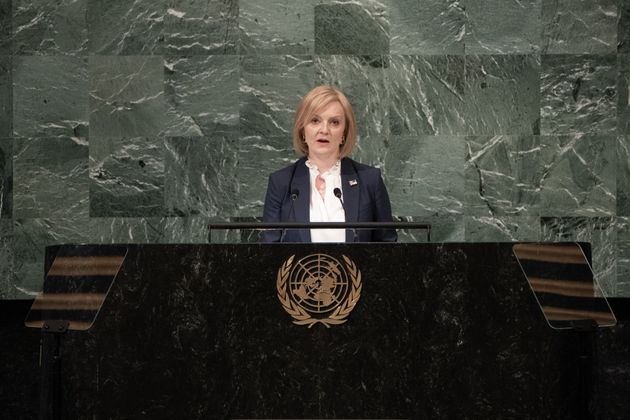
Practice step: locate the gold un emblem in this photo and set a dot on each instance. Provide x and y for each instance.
(319, 288)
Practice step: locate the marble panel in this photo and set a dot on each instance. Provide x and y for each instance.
(279, 27)
(200, 177)
(600, 232)
(623, 257)
(201, 95)
(6, 96)
(371, 150)
(502, 229)
(503, 175)
(622, 288)
(578, 94)
(50, 178)
(425, 175)
(502, 27)
(426, 27)
(363, 80)
(127, 177)
(502, 94)
(6, 18)
(6, 256)
(623, 27)
(6, 178)
(129, 230)
(359, 28)
(127, 96)
(579, 26)
(231, 236)
(271, 87)
(623, 94)
(443, 229)
(49, 27)
(427, 95)
(200, 27)
(622, 225)
(623, 176)
(119, 27)
(579, 176)
(31, 236)
(50, 96)
(258, 157)
(189, 230)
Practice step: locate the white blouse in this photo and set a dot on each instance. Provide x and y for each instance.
(328, 208)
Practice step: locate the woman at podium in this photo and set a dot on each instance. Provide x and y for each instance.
(325, 185)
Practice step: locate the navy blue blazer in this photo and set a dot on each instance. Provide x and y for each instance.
(364, 196)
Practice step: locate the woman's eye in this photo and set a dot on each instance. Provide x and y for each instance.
(314, 120)
(334, 122)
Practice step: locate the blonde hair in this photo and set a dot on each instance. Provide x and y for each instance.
(313, 102)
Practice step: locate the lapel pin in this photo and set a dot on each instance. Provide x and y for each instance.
(353, 182)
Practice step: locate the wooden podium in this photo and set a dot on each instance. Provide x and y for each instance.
(424, 331)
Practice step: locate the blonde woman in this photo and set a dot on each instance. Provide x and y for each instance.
(325, 185)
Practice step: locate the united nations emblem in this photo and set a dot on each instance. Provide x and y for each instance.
(319, 288)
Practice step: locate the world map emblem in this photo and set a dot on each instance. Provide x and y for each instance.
(319, 288)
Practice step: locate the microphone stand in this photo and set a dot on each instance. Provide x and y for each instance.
(294, 195)
(337, 193)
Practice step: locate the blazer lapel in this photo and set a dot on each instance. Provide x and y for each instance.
(350, 189)
(301, 182)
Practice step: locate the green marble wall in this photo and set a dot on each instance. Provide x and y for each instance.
(141, 121)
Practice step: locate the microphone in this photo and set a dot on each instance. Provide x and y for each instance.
(295, 193)
(337, 192)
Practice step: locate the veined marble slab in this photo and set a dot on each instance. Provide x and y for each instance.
(502, 27)
(503, 175)
(428, 27)
(127, 96)
(6, 178)
(7, 272)
(202, 95)
(200, 176)
(50, 27)
(425, 175)
(127, 177)
(579, 26)
(578, 176)
(578, 94)
(427, 95)
(270, 90)
(126, 28)
(278, 27)
(6, 96)
(50, 178)
(201, 27)
(359, 28)
(6, 14)
(502, 94)
(50, 96)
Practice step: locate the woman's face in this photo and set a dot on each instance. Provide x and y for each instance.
(323, 133)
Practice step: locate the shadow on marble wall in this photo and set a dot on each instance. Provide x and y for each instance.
(492, 120)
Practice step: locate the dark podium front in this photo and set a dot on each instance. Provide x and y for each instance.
(439, 331)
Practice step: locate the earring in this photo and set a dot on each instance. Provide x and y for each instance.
(343, 140)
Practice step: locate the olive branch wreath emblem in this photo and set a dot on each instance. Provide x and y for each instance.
(300, 316)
